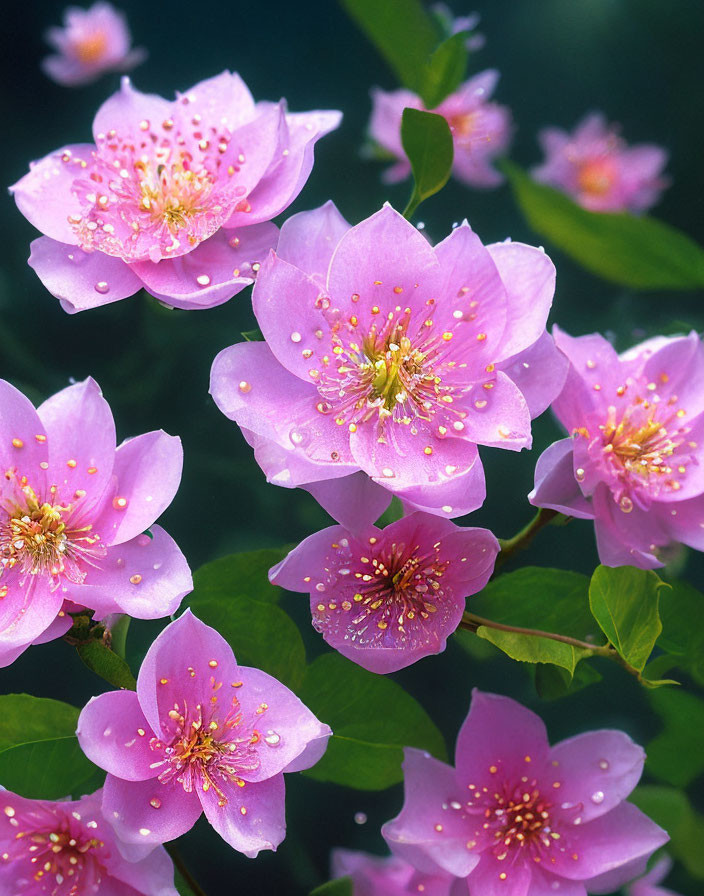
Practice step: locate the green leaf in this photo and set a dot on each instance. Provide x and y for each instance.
(672, 810)
(245, 574)
(107, 664)
(639, 252)
(255, 335)
(676, 755)
(340, 887)
(372, 719)
(26, 718)
(181, 884)
(402, 32)
(49, 769)
(445, 70)
(553, 682)
(427, 141)
(682, 617)
(556, 599)
(624, 601)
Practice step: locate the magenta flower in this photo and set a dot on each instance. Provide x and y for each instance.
(73, 511)
(68, 849)
(176, 197)
(596, 167)
(93, 41)
(390, 876)
(389, 597)
(648, 885)
(201, 734)
(481, 130)
(633, 462)
(386, 355)
(522, 818)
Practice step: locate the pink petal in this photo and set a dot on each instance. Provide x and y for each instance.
(308, 239)
(147, 578)
(385, 123)
(45, 195)
(681, 360)
(109, 734)
(152, 875)
(555, 483)
(20, 449)
(79, 279)
(485, 880)
(306, 563)
(124, 110)
(215, 271)
(686, 524)
(225, 98)
(356, 501)
(26, 610)
(539, 372)
(545, 884)
(291, 468)
(594, 362)
(497, 414)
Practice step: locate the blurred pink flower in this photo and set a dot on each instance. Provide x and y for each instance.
(387, 355)
(73, 511)
(390, 876)
(92, 41)
(391, 596)
(68, 849)
(201, 734)
(451, 25)
(648, 885)
(176, 197)
(481, 130)
(634, 459)
(518, 817)
(599, 170)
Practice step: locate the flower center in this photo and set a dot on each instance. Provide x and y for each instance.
(522, 820)
(462, 125)
(596, 176)
(91, 47)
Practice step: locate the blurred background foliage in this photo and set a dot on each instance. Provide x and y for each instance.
(640, 61)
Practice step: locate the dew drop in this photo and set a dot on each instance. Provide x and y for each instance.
(203, 280)
(244, 386)
(135, 579)
(360, 818)
(299, 437)
(388, 472)
(102, 287)
(120, 503)
(597, 797)
(295, 337)
(272, 738)
(604, 764)
(579, 474)
(626, 504)
(155, 803)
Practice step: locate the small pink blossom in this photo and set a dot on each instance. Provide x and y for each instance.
(68, 849)
(452, 25)
(634, 459)
(93, 41)
(481, 130)
(389, 597)
(388, 356)
(390, 876)
(517, 817)
(73, 510)
(176, 197)
(596, 167)
(201, 734)
(648, 885)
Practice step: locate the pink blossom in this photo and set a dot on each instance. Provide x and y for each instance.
(481, 130)
(389, 597)
(648, 885)
(451, 25)
(93, 41)
(386, 355)
(68, 849)
(201, 734)
(596, 167)
(390, 876)
(633, 462)
(176, 197)
(518, 817)
(73, 511)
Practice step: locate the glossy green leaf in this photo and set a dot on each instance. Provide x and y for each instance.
(245, 574)
(372, 719)
(49, 769)
(639, 252)
(181, 884)
(340, 887)
(427, 141)
(553, 682)
(624, 601)
(682, 616)
(402, 31)
(24, 718)
(532, 649)
(107, 664)
(445, 70)
(676, 755)
(671, 809)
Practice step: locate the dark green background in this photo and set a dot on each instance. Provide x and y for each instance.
(638, 60)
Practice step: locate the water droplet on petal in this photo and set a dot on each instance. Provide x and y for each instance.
(203, 280)
(272, 738)
(120, 503)
(102, 287)
(597, 797)
(295, 337)
(604, 764)
(299, 437)
(155, 803)
(244, 386)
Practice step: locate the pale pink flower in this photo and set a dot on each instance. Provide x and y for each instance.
(451, 25)
(634, 461)
(73, 512)
(389, 597)
(389, 876)
(92, 41)
(481, 130)
(517, 817)
(388, 356)
(201, 734)
(176, 197)
(67, 848)
(649, 884)
(598, 169)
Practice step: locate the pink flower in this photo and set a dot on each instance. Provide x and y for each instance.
(389, 597)
(93, 41)
(72, 513)
(201, 734)
(68, 849)
(481, 130)
(522, 818)
(386, 355)
(648, 884)
(633, 462)
(390, 876)
(451, 25)
(599, 170)
(176, 197)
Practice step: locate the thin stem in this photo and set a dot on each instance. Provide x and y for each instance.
(177, 859)
(510, 546)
